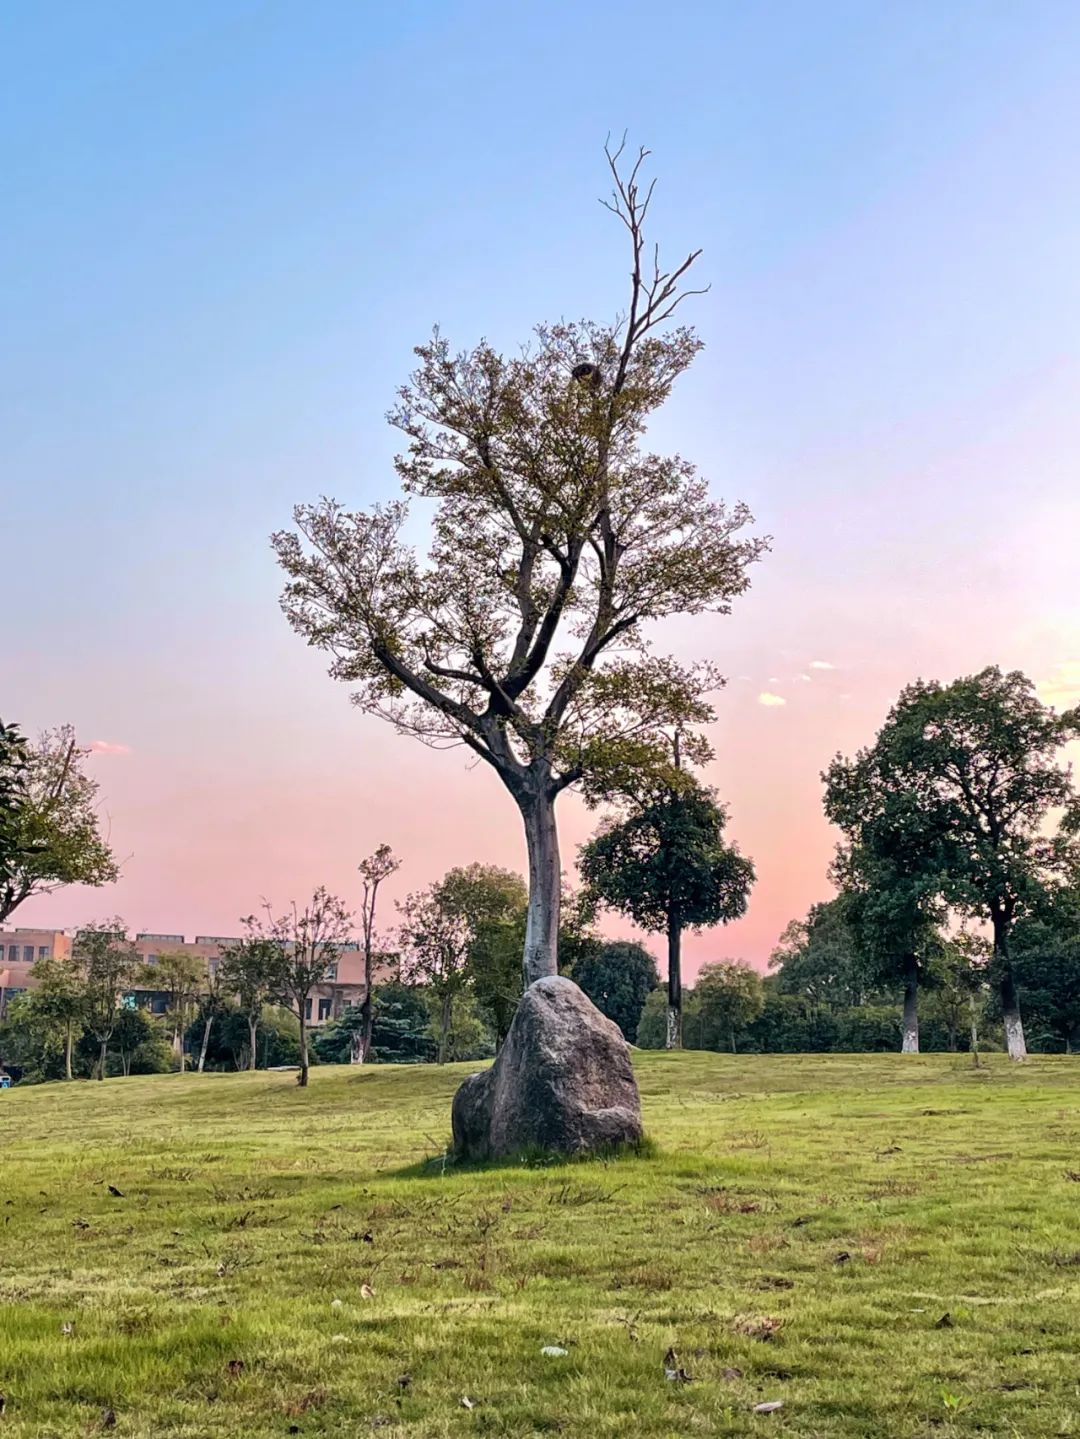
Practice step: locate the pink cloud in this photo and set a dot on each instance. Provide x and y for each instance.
(104, 746)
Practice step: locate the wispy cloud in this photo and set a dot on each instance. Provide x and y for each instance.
(770, 701)
(1062, 688)
(821, 665)
(106, 746)
(804, 678)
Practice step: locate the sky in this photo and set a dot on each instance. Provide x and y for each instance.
(225, 225)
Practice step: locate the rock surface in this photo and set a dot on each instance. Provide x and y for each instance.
(562, 1082)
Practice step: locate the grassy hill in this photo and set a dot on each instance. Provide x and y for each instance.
(889, 1245)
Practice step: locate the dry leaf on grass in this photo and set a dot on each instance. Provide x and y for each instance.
(757, 1326)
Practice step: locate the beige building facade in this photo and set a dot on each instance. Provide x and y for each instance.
(20, 950)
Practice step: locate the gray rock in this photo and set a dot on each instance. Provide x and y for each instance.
(562, 1082)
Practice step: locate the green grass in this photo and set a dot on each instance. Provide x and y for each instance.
(798, 1233)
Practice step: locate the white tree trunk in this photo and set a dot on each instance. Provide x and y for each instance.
(910, 1043)
(1010, 1000)
(545, 889)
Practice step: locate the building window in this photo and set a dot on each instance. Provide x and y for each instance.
(43, 951)
(28, 954)
(13, 953)
(331, 973)
(212, 967)
(151, 959)
(324, 1009)
(307, 1009)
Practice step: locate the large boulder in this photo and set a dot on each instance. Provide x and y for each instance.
(562, 1082)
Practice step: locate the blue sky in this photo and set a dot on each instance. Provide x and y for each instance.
(226, 224)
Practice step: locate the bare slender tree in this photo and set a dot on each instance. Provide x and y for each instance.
(556, 540)
(377, 867)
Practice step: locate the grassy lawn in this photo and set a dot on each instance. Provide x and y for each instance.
(888, 1245)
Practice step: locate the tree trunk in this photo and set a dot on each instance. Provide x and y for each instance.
(732, 1038)
(1010, 1013)
(545, 888)
(253, 1040)
(361, 1045)
(69, 1041)
(674, 981)
(973, 1015)
(102, 1057)
(910, 1043)
(302, 1077)
(180, 1041)
(1010, 1000)
(205, 1041)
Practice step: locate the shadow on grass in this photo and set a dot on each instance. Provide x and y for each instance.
(438, 1166)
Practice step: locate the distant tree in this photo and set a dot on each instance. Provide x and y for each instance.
(212, 1007)
(306, 945)
(956, 968)
(434, 939)
(181, 978)
(374, 870)
(977, 759)
(57, 833)
(31, 1038)
(493, 902)
(556, 540)
(618, 977)
(249, 970)
(666, 866)
(108, 965)
(730, 996)
(1046, 961)
(818, 957)
(402, 1032)
(139, 1044)
(890, 871)
(61, 999)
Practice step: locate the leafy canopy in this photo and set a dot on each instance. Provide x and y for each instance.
(976, 767)
(55, 832)
(666, 859)
(557, 537)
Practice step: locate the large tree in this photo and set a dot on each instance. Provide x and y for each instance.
(978, 762)
(556, 540)
(373, 870)
(891, 871)
(57, 831)
(665, 864)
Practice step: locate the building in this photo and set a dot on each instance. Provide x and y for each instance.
(20, 949)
